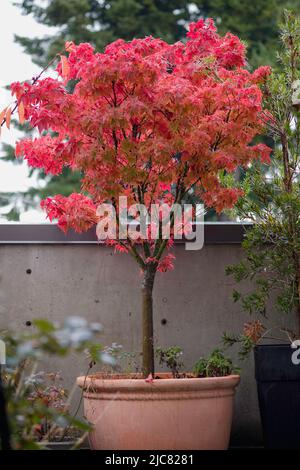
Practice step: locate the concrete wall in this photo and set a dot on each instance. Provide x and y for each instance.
(89, 280)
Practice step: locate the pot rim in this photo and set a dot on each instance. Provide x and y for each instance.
(273, 345)
(97, 383)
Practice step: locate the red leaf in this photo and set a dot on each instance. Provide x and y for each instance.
(2, 115)
(69, 46)
(149, 379)
(8, 118)
(21, 112)
(65, 68)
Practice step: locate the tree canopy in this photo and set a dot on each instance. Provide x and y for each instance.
(149, 121)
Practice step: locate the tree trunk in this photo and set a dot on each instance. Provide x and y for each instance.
(147, 310)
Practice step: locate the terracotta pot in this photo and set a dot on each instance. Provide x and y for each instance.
(171, 414)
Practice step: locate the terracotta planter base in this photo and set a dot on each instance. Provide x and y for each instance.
(170, 414)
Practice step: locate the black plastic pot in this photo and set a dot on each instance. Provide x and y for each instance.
(278, 386)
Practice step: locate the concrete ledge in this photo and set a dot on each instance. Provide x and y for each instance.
(14, 233)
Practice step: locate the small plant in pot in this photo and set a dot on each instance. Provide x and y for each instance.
(147, 124)
(35, 407)
(272, 249)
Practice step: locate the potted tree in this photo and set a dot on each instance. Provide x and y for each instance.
(272, 249)
(149, 122)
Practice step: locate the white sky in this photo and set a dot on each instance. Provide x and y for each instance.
(15, 66)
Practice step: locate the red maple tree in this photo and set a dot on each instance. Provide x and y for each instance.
(148, 120)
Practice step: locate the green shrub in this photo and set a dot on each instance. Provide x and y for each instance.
(215, 365)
